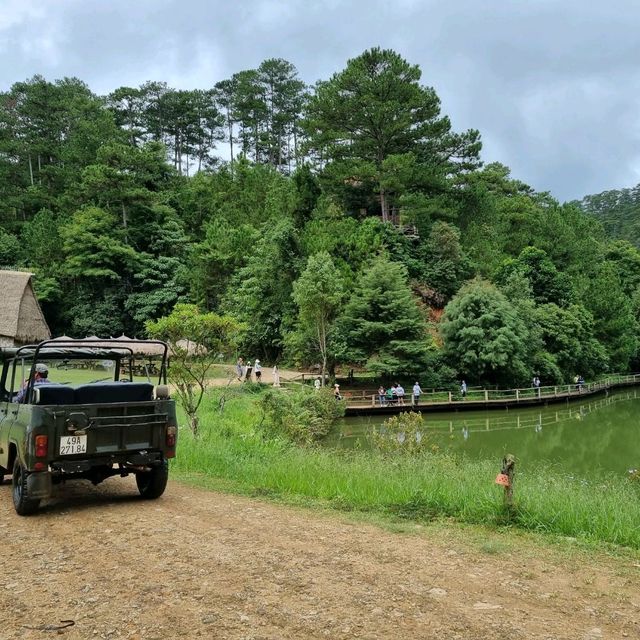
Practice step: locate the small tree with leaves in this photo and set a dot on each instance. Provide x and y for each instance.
(318, 294)
(190, 366)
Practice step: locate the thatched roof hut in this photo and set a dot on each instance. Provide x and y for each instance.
(21, 319)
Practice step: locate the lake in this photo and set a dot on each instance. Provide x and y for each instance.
(583, 438)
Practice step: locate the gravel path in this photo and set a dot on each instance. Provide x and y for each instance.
(202, 564)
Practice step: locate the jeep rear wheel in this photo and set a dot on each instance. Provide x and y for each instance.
(152, 484)
(23, 504)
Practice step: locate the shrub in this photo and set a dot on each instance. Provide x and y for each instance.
(303, 416)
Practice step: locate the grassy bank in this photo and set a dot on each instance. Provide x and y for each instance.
(233, 454)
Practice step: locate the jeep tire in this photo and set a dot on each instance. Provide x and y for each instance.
(24, 505)
(152, 484)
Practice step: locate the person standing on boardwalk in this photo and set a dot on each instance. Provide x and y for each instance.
(336, 391)
(382, 395)
(258, 369)
(416, 394)
(463, 390)
(400, 393)
(247, 375)
(276, 376)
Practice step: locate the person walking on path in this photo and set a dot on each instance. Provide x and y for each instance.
(463, 390)
(416, 394)
(239, 368)
(382, 396)
(276, 376)
(249, 369)
(258, 369)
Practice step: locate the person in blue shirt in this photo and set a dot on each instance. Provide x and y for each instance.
(40, 376)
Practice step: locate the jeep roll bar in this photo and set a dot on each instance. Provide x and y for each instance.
(119, 351)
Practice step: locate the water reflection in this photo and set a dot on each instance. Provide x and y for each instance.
(600, 435)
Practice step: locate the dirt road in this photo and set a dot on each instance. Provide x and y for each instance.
(200, 564)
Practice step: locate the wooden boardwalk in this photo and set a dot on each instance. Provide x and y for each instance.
(478, 399)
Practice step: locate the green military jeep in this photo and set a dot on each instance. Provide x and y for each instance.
(96, 419)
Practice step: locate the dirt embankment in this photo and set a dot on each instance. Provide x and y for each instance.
(200, 564)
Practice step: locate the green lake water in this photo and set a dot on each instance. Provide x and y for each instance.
(585, 438)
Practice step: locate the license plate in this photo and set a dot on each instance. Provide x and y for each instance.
(71, 445)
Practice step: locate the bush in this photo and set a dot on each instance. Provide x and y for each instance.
(303, 416)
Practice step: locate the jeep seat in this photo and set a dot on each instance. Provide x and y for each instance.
(108, 392)
(53, 394)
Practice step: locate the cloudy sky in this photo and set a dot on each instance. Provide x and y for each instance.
(552, 85)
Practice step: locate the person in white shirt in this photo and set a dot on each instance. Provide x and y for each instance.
(257, 367)
(416, 393)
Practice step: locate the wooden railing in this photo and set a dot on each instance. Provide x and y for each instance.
(488, 396)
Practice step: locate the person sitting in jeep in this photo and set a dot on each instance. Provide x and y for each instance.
(40, 376)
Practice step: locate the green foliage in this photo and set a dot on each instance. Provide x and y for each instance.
(260, 292)
(381, 326)
(401, 117)
(94, 246)
(317, 293)
(569, 343)
(208, 334)
(10, 249)
(122, 208)
(446, 266)
(547, 284)
(484, 336)
(304, 416)
(614, 322)
(617, 210)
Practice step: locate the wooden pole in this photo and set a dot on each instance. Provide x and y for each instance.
(509, 469)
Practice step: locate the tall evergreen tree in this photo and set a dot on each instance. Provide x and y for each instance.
(375, 109)
(381, 326)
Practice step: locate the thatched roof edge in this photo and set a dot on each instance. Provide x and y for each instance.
(20, 315)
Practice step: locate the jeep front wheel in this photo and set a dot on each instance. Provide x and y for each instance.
(152, 484)
(24, 505)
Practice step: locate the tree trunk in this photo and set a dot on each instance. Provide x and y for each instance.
(194, 424)
(230, 122)
(30, 170)
(384, 205)
(124, 223)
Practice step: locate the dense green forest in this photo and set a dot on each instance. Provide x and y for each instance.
(618, 211)
(345, 223)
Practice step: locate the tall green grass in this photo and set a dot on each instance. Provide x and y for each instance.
(232, 449)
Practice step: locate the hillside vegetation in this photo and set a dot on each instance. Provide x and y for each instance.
(346, 222)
